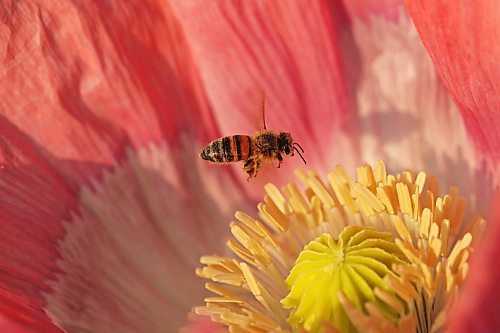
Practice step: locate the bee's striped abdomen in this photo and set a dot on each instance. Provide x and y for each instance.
(228, 149)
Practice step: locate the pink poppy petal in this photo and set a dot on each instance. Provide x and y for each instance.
(33, 202)
(463, 39)
(287, 51)
(8, 326)
(128, 258)
(16, 317)
(88, 79)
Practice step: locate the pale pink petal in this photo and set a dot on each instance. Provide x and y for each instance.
(367, 9)
(403, 112)
(128, 258)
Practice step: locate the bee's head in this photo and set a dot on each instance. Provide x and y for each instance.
(287, 146)
(285, 143)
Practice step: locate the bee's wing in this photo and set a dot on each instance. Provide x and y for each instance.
(263, 109)
(259, 120)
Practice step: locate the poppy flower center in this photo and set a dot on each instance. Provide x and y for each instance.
(354, 264)
(376, 253)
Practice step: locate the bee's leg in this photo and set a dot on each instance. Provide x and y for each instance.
(249, 168)
(250, 172)
(256, 168)
(248, 163)
(280, 159)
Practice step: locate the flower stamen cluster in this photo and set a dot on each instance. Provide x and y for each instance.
(380, 253)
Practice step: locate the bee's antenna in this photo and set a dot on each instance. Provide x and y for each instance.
(295, 143)
(298, 151)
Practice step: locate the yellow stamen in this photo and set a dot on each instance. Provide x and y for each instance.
(383, 253)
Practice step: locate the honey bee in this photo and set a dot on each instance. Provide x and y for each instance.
(265, 145)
